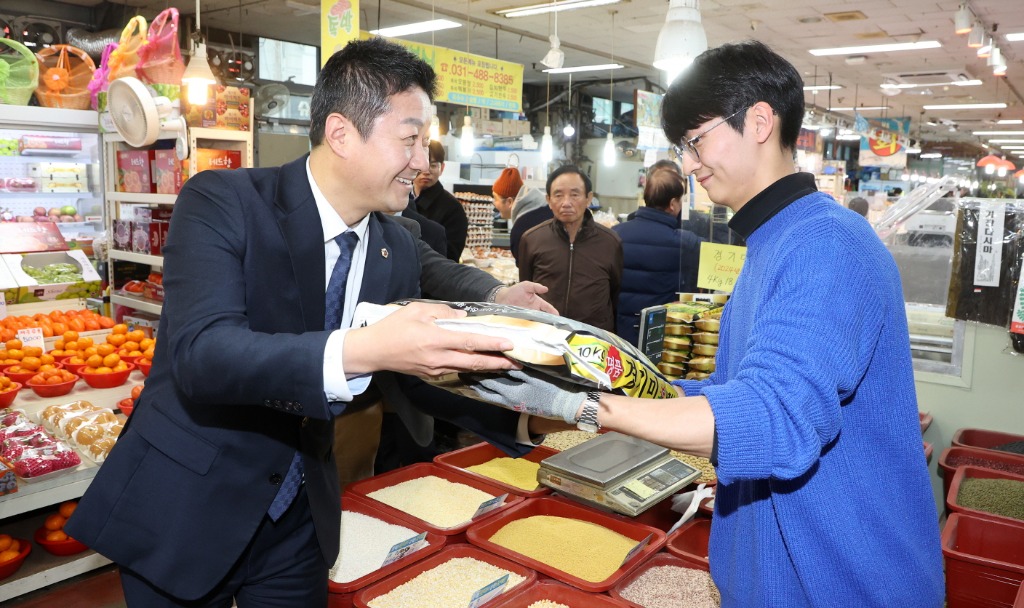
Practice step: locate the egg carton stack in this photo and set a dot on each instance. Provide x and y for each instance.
(93, 430)
(691, 340)
(480, 212)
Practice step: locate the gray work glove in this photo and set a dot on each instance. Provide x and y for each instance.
(527, 391)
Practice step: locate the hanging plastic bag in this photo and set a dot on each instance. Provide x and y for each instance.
(100, 79)
(160, 60)
(125, 58)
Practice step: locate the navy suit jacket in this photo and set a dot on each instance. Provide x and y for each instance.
(237, 381)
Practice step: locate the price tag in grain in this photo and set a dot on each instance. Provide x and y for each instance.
(32, 336)
(488, 593)
(720, 266)
(404, 548)
(490, 505)
(637, 549)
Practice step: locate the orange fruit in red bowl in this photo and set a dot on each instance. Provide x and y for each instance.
(9, 393)
(64, 546)
(106, 380)
(10, 564)
(56, 389)
(18, 376)
(126, 406)
(144, 366)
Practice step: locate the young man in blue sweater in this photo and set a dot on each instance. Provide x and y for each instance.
(823, 494)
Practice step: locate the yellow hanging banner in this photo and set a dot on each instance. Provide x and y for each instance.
(339, 25)
(471, 80)
(720, 266)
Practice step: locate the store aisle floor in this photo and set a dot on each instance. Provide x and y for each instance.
(97, 589)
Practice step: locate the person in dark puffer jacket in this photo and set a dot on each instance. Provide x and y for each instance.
(659, 258)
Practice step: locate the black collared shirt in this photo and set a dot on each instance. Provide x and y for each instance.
(770, 201)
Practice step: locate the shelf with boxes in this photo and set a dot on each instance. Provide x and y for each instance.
(142, 186)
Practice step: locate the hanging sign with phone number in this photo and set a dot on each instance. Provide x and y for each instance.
(472, 80)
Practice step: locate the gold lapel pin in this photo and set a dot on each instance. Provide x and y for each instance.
(384, 252)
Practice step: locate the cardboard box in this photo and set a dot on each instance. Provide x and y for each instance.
(166, 172)
(30, 290)
(48, 145)
(28, 237)
(226, 108)
(141, 320)
(153, 291)
(140, 237)
(133, 171)
(123, 235)
(210, 158)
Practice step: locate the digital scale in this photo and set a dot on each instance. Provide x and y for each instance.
(616, 472)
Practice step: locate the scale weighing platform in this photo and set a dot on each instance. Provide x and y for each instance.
(617, 472)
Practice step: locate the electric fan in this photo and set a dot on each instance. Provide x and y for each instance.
(238, 66)
(271, 99)
(65, 72)
(139, 115)
(36, 35)
(19, 73)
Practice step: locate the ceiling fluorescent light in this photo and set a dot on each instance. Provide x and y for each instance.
(585, 68)
(927, 155)
(851, 108)
(421, 27)
(823, 87)
(1015, 37)
(962, 20)
(877, 48)
(997, 133)
(1010, 121)
(954, 83)
(1006, 141)
(551, 7)
(966, 106)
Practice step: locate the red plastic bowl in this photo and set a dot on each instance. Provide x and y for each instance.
(74, 368)
(126, 406)
(9, 568)
(58, 547)
(144, 366)
(107, 380)
(20, 377)
(53, 390)
(7, 397)
(131, 359)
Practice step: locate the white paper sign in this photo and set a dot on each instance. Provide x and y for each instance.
(489, 505)
(989, 258)
(404, 548)
(32, 336)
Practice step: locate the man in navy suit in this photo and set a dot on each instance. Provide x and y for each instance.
(196, 503)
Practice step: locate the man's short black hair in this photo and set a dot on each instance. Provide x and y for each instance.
(568, 169)
(436, 150)
(357, 81)
(731, 78)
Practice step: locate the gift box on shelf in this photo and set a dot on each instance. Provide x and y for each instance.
(166, 172)
(226, 107)
(214, 158)
(134, 172)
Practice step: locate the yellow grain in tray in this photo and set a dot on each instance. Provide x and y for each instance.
(580, 548)
(517, 472)
(546, 604)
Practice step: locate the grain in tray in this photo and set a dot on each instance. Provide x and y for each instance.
(546, 604)
(707, 471)
(437, 501)
(517, 472)
(579, 548)
(672, 587)
(365, 542)
(450, 584)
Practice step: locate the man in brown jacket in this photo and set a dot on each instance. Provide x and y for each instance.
(578, 259)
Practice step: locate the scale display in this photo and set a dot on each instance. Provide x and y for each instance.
(616, 472)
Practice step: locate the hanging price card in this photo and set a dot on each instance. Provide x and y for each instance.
(489, 505)
(32, 336)
(488, 593)
(720, 266)
(405, 547)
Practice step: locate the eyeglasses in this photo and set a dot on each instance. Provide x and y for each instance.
(690, 145)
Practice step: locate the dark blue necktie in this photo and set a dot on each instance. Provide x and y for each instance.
(334, 306)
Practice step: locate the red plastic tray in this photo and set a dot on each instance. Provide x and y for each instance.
(557, 592)
(368, 594)
(984, 561)
(979, 473)
(480, 453)
(690, 543)
(480, 535)
(925, 419)
(661, 559)
(927, 452)
(343, 592)
(1019, 603)
(425, 469)
(983, 438)
(946, 470)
